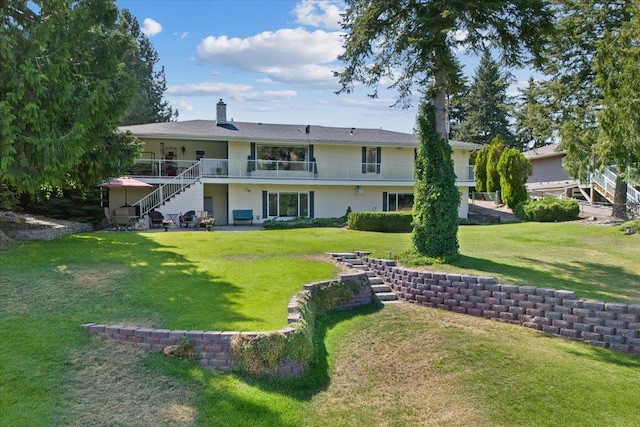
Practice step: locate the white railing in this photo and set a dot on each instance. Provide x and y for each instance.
(607, 180)
(169, 189)
(148, 168)
(223, 168)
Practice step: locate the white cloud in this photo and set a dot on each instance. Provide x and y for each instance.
(182, 36)
(233, 91)
(266, 96)
(319, 13)
(294, 56)
(207, 88)
(151, 28)
(181, 105)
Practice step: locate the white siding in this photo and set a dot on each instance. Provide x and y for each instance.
(329, 201)
(188, 200)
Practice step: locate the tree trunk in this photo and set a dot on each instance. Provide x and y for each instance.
(440, 103)
(620, 198)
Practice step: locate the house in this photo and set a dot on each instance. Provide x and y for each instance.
(277, 170)
(548, 176)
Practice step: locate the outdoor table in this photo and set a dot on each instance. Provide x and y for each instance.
(175, 218)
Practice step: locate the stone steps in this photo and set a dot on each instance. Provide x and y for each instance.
(380, 288)
(382, 291)
(386, 296)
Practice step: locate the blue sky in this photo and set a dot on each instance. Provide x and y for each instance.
(271, 61)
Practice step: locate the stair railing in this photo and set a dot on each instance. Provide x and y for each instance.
(607, 180)
(167, 190)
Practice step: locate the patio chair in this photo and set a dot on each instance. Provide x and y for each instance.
(200, 216)
(122, 221)
(187, 219)
(155, 219)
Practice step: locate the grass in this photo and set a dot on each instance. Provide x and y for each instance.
(52, 373)
(408, 366)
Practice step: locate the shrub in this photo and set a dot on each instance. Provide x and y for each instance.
(481, 169)
(261, 354)
(496, 147)
(303, 222)
(514, 168)
(436, 197)
(632, 226)
(386, 222)
(548, 209)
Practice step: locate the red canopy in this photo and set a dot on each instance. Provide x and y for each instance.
(124, 182)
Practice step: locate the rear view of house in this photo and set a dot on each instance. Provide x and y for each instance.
(278, 170)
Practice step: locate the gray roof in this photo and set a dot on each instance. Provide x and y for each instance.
(548, 150)
(267, 132)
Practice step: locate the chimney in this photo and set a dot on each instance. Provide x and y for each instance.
(221, 113)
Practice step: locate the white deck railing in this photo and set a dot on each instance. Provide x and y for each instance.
(607, 180)
(169, 189)
(290, 170)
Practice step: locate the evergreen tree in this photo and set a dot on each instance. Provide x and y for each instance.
(487, 106)
(585, 30)
(436, 198)
(481, 169)
(63, 93)
(533, 118)
(514, 168)
(618, 78)
(457, 92)
(493, 157)
(413, 42)
(148, 105)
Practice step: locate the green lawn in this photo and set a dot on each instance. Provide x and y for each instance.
(52, 373)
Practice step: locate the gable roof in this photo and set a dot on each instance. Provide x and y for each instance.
(549, 150)
(268, 132)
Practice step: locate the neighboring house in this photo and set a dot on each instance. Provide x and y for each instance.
(548, 175)
(277, 170)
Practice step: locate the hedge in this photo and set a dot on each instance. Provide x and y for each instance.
(387, 222)
(548, 209)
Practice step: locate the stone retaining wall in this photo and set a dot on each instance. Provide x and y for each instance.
(214, 347)
(56, 231)
(610, 325)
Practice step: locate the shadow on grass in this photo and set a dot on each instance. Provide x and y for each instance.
(598, 354)
(225, 399)
(153, 283)
(590, 280)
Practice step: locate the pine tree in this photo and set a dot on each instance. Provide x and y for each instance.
(487, 106)
(586, 31)
(412, 42)
(436, 198)
(533, 120)
(148, 105)
(618, 77)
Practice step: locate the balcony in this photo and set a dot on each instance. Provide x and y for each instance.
(289, 170)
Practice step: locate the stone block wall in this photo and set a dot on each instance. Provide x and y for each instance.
(214, 347)
(610, 325)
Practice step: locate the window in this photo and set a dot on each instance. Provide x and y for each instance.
(272, 157)
(199, 154)
(288, 204)
(371, 159)
(399, 202)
